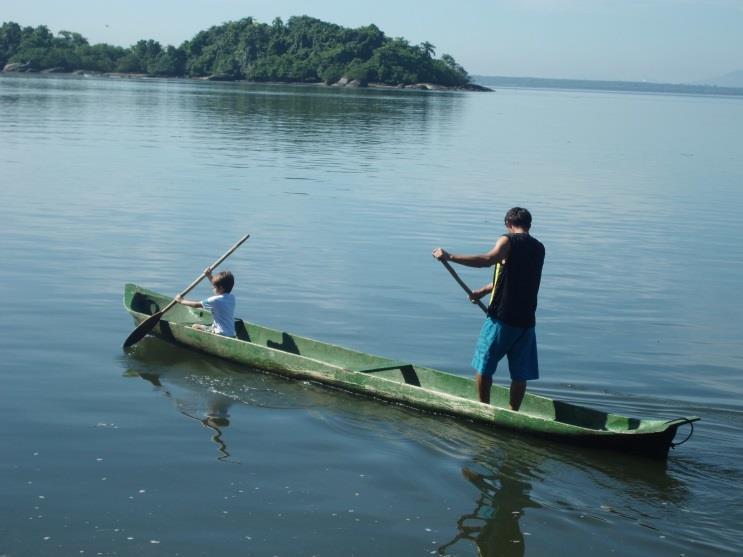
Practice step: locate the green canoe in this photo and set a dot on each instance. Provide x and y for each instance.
(401, 382)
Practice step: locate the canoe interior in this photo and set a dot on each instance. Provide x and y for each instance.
(285, 352)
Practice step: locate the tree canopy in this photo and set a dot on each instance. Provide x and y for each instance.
(303, 49)
(40, 49)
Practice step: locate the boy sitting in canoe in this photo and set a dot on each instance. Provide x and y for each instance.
(222, 304)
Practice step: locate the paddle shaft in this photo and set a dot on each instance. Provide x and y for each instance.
(148, 324)
(462, 283)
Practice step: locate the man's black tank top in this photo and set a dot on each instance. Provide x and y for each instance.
(515, 299)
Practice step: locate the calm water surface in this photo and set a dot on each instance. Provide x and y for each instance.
(345, 193)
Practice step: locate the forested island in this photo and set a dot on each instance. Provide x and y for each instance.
(300, 50)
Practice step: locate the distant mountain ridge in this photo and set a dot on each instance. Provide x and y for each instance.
(732, 79)
(595, 85)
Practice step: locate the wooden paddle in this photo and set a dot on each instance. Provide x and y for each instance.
(462, 284)
(148, 324)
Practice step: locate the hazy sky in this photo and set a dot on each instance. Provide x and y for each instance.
(654, 40)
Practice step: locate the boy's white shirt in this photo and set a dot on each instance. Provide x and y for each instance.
(222, 307)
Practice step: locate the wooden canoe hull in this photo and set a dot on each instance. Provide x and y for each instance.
(294, 356)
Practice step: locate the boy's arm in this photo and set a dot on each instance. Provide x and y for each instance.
(189, 303)
(192, 303)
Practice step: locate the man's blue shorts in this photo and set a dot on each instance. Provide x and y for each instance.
(497, 340)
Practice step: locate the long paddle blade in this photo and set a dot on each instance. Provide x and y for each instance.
(462, 284)
(142, 329)
(148, 324)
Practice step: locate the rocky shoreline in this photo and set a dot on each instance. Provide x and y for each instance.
(17, 67)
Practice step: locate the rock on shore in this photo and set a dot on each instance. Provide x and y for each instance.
(346, 82)
(17, 67)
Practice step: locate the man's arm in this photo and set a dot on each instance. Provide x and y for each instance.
(481, 293)
(498, 253)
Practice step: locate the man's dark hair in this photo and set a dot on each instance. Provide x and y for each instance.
(224, 280)
(518, 216)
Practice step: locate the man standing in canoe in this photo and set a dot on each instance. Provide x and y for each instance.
(509, 327)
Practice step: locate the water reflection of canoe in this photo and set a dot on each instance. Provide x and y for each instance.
(429, 389)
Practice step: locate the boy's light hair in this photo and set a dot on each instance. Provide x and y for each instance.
(224, 280)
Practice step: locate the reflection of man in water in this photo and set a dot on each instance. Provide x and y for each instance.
(494, 524)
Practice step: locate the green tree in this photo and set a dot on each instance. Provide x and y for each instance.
(427, 49)
(10, 40)
(69, 39)
(170, 62)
